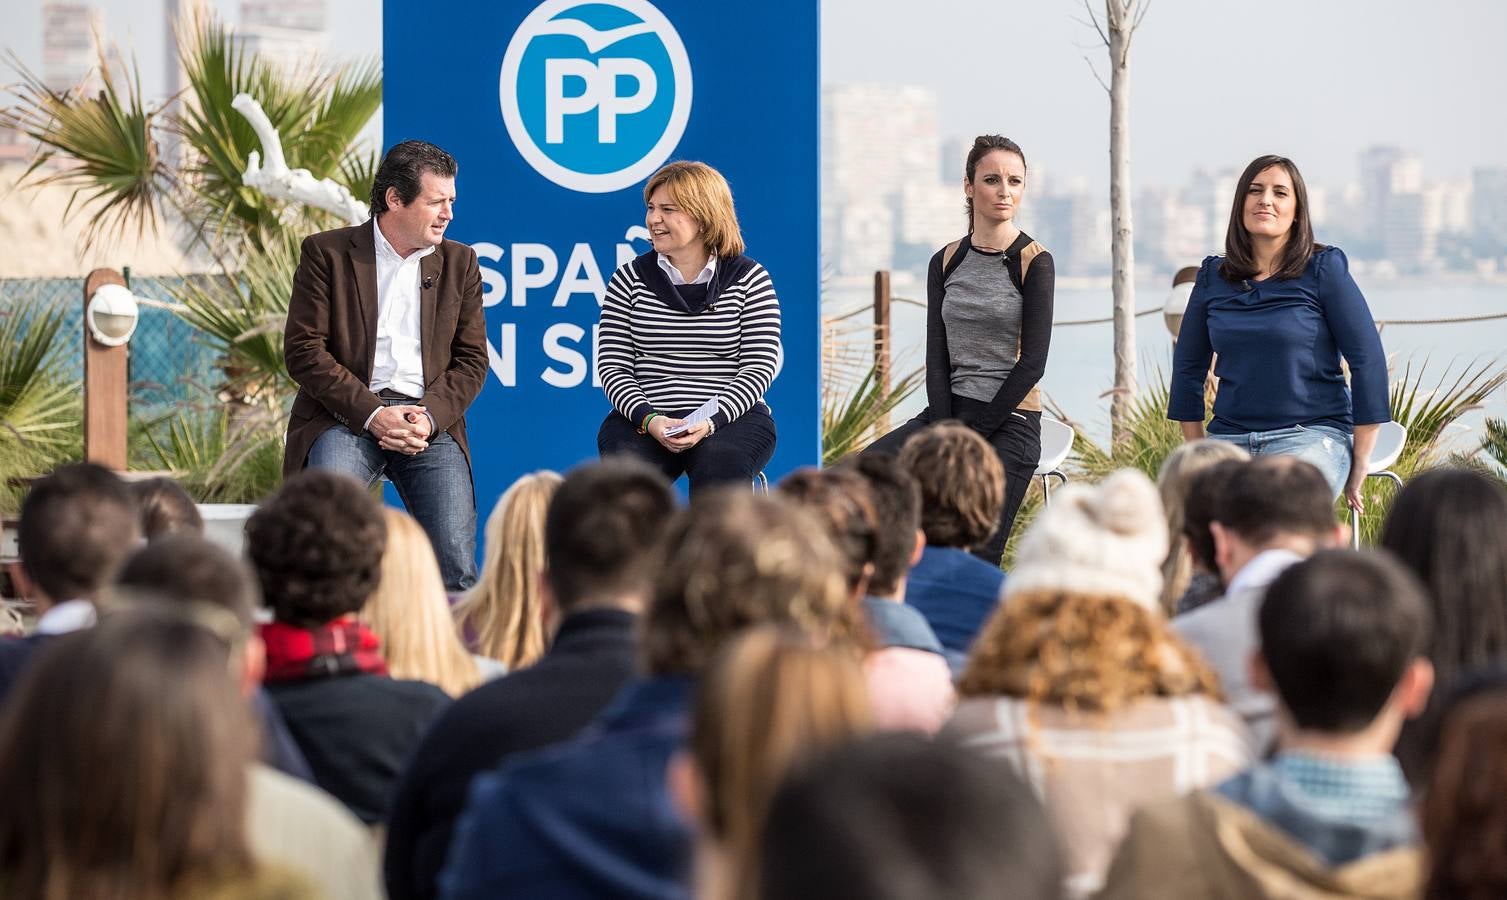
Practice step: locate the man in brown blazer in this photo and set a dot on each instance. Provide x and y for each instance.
(387, 340)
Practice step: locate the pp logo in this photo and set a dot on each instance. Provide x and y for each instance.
(595, 93)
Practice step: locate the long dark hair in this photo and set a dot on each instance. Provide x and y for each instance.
(983, 145)
(125, 750)
(1461, 817)
(1239, 256)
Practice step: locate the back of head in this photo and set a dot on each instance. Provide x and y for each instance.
(843, 501)
(410, 612)
(126, 747)
(1338, 631)
(77, 525)
(316, 547)
(1274, 495)
(773, 697)
(1201, 506)
(1462, 819)
(166, 508)
(732, 560)
(503, 609)
(901, 817)
(601, 532)
(962, 483)
(897, 511)
(186, 569)
(1447, 526)
(1173, 482)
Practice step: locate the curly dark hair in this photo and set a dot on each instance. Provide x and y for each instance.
(962, 483)
(316, 547)
(403, 169)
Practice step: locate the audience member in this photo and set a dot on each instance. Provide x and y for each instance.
(502, 616)
(410, 614)
(1269, 514)
(1462, 817)
(901, 817)
(125, 752)
(165, 508)
(1182, 572)
(773, 697)
(841, 500)
(1449, 526)
(1079, 682)
(1199, 511)
(316, 547)
(599, 537)
(592, 818)
(78, 525)
(290, 823)
(962, 489)
(1343, 637)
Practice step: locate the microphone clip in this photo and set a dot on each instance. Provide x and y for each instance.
(428, 282)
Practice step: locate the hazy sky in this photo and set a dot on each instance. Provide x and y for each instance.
(1215, 82)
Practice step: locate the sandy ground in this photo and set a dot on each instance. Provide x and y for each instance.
(35, 241)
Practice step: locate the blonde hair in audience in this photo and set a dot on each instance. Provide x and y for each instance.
(503, 611)
(1172, 483)
(411, 614)
(1095, 653)
(773, 697)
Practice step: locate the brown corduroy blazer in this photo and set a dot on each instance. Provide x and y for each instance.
(331, 337)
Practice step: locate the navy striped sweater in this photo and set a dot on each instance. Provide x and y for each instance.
(656, 355)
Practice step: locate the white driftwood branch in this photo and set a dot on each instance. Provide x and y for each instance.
(278, 181)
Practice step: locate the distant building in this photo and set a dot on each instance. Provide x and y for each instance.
(1075, 226)
(69, 59)
(288, 34)
(1488, 210)
(1212, 192)
(1169, 233)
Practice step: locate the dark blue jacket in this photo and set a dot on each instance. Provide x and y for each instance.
(956, 592)
(590, 818)
(1279, 343)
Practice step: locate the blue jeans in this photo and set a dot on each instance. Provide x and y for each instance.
(1327, 448)
(435, 485)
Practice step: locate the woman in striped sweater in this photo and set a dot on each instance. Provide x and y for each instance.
(691, 325)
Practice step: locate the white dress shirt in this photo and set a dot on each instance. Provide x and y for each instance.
(704, 277)
(399, 363)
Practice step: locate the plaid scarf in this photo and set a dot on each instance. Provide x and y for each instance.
(341, 647)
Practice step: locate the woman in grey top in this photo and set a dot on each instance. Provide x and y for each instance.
(988, 327)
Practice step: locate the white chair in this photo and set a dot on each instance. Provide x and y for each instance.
(1390, 438)
(1056, 444)
(760, 483)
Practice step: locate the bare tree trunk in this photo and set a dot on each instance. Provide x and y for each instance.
(1121, 21)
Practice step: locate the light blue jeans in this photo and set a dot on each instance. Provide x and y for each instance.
(1327, 448)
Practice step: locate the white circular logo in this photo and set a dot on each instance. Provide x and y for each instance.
(595, 93)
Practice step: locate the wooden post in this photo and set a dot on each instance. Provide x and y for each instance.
(105, 378)
(882, 341)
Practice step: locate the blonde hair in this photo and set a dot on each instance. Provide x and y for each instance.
(411, 614)
(503, 611)
(1172, 483)
(1088, 652)
(703, 193)
(772, 698)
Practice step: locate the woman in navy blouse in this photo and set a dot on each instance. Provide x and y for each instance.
(1279, 311)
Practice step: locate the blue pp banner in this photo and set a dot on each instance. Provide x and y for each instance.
(557, 112)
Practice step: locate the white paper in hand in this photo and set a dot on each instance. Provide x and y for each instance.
(702, 414)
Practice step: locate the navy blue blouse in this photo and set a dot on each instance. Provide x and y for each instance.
(1279, 343)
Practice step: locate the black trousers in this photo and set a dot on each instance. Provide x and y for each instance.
(1018, 445)
(736, 453)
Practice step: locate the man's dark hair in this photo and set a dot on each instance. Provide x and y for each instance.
(897, 510)
(1200, 507)
(316, 547)
(962, 483)
(1337, 632)
(902, 817)
(77, 526)
(186, 569)
(165, 508)
(1274, 494)
(403, 168)
(601, 529)
(844, 502)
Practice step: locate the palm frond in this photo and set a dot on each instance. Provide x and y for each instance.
(218, 458)
(41, 422)
(849, 418)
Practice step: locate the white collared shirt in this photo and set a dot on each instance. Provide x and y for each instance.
(399, 362)
(704, 277)
(65, 617)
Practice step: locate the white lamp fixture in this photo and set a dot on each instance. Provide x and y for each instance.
(1177, 299)
(112, 315)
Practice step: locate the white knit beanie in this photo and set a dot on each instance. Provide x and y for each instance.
(1107, 539)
